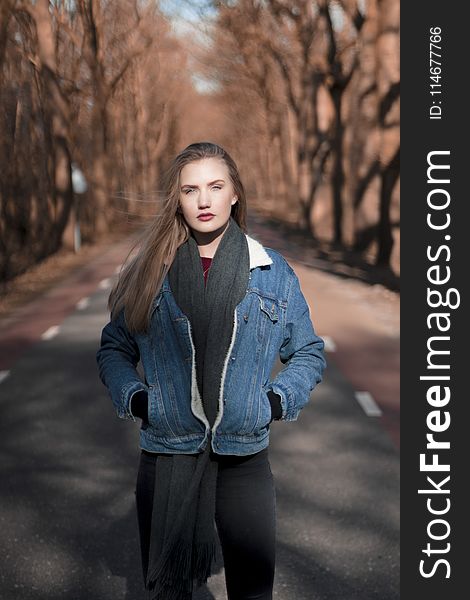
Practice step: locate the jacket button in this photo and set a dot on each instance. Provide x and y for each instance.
(245, 317)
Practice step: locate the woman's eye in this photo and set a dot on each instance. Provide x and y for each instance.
(215, 187)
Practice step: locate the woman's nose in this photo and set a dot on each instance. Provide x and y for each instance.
(204, 199)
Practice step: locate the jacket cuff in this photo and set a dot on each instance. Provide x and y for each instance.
(276, 407)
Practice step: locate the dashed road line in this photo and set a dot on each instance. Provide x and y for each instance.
(3, 375)
(368, 404)
(51, 332)
(104, 284)
(83, 303)
(330, 345)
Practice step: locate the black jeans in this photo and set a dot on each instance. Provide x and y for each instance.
(245, 519)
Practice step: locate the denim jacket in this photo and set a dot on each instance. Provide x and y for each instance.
(272, 320)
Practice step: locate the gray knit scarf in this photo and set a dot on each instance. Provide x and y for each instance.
(182, 546)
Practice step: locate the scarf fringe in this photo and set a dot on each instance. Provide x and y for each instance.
(204, 561)
(169, 593)
(170, 581)
(173, 578)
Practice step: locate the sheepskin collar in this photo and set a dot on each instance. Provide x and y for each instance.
(258, 255)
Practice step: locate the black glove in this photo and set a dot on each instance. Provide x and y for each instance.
(139, 405)
(276, 408)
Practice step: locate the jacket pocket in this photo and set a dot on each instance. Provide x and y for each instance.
(157, 417)
(259, 416)
(265, 412)
(268, 318)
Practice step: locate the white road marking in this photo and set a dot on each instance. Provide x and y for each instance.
(3, 375)
(51, 332)
(330, 346)
(368, 404)
(83, 303)
(104, 284)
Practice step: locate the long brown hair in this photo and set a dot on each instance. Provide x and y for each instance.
(140, 279)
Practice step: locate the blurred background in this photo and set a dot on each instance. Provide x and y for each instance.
(96, 98)
(304, 95)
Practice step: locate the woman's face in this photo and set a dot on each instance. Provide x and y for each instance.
(206, 188)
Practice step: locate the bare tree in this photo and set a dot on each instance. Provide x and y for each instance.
(40, 115)
(304, 60)
(305, 94)
(93, 85)
(59, 111)
(388, 96)
(106, 71)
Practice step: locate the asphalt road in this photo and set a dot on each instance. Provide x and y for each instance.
(69, 466)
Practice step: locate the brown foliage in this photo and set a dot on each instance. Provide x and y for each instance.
(305, 95)
(314, 90)
(89, 82)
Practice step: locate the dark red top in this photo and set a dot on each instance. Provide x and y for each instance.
(206, 263)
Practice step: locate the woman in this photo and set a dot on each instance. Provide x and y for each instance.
(207, 309)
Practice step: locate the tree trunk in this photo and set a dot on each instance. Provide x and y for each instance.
(338, 171)
(59, 111)
(388, 77)
(388, 178)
